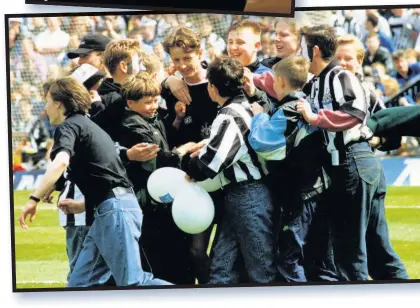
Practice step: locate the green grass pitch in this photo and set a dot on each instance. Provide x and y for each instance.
(41, 260)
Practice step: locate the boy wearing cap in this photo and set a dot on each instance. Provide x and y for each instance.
(91, 51)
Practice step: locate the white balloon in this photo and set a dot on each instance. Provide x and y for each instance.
(193, 209)
(211, 185)
(164, 183)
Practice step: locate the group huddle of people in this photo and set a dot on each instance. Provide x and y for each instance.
(291, 139)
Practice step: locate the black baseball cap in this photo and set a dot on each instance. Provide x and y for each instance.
(89, 43)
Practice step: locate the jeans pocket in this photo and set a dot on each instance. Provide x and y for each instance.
(105, 208)
(368, 167)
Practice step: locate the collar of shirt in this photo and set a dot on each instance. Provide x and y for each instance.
(293, 96)
(409, 73)
(329, 67)
(254, 65)
(238, 99)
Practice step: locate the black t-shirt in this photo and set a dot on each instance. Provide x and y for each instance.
(199, 115)
(94, 163)
(234, 5)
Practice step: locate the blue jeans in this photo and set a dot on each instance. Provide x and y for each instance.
(246, 236)
(75, 236)
(361, 242)
(111, 247)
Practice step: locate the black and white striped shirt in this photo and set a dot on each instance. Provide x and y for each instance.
(228, 150)
(71, 191)
(337, 89)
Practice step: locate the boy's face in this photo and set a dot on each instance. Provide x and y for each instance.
(347, 57)
(278, 87)
(286, 42)
(53, 110)
(94, 58)
(372, 44)
(187, 63)
(159, 76)
(147, 106)
(401, 65)
(243, 46)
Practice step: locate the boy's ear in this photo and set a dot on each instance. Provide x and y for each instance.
(282, 81)
(317, 51)
(200, 52)
(123, 66)
(258, 44)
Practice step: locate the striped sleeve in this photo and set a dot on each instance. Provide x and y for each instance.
(221, 151)
(349, 95)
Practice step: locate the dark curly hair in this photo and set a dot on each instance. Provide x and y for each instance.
(227, 75)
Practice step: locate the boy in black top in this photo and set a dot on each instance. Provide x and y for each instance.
(166, 247)
(93, 164)
(190, 119)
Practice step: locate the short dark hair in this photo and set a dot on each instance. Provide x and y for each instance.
(71, 93)
(398, 54)
(227, 75)
(373, 19)
(324, 37)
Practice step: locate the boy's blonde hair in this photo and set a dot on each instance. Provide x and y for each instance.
(348, 39)
(294, 69)
(152, 64)
(247, 24)
(120, 50)
(392, 84)
(411, 53)
(139, 86)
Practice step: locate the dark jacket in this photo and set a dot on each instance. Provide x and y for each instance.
(110, 115)
(136, 129)
(270, 62)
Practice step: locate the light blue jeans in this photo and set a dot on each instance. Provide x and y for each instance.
(111, 247)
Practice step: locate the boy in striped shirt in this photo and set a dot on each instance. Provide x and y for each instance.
(246, 236)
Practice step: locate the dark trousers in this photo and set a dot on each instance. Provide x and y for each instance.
(165, 248)
(361, 242)
(246, 236)
(304, 243)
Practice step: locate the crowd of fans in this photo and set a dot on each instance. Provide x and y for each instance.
(38, 51)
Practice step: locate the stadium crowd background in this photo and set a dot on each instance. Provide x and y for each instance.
(38, 48)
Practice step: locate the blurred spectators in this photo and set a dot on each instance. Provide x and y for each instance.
(38, 48)
(52, 42)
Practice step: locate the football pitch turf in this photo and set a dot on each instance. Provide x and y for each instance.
(41, 260)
